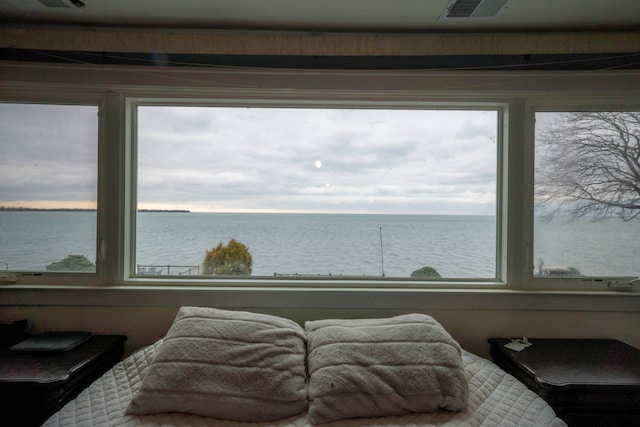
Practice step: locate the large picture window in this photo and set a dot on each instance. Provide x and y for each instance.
(316, 192)
(383, 187)
(48, 187)
(587, 188)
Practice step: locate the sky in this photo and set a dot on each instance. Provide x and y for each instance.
(48, 156)
(225, 159)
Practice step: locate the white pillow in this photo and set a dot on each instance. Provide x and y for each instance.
(227, 364)
(382, 367)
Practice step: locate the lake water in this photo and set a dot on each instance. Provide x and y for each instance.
(323, 244)
(326, 244)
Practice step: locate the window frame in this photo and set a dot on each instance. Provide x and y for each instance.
(557, 104)
(309, 99)
(28, 95)
(113, 88)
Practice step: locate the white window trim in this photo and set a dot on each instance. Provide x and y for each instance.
(90, 98)
(112, 87)
(585, 102)
(306, 99)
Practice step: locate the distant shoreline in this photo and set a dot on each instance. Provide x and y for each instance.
(165, 210)
(23, 209)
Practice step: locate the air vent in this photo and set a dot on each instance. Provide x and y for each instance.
(62, 4)
(53, 3)
(59, 7)
(462, 8)
(473, 8)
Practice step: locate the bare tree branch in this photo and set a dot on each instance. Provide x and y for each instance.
(589, 162)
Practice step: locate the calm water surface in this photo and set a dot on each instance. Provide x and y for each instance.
(456, 246)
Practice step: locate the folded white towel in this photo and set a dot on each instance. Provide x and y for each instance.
(381, 367)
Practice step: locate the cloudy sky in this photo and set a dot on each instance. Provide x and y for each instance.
(48, 155)
(262, 159)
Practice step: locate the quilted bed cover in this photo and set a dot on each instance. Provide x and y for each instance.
(495, 399)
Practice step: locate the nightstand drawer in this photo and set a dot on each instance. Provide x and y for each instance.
(587, 382)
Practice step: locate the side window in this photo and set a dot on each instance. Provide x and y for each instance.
(48, 187)
(321, 193)
(587, 194)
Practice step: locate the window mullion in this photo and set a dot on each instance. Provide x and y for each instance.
(519, 195)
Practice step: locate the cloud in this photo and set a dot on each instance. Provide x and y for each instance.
(48, 153)
(264, 159)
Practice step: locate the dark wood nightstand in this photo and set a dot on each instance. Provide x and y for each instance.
(588, 382)
(34, 385)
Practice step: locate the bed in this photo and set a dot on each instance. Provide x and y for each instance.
(490, 396)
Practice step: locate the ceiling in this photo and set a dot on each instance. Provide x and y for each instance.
(332, 15)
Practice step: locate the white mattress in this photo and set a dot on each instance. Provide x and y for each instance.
(496, 399)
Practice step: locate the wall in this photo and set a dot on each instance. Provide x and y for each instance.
(144, 314)
(471, 318)
(472, 328)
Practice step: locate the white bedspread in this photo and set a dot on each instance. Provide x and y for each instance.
(495, 399)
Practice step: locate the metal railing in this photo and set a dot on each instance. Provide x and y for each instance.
(167, 270)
